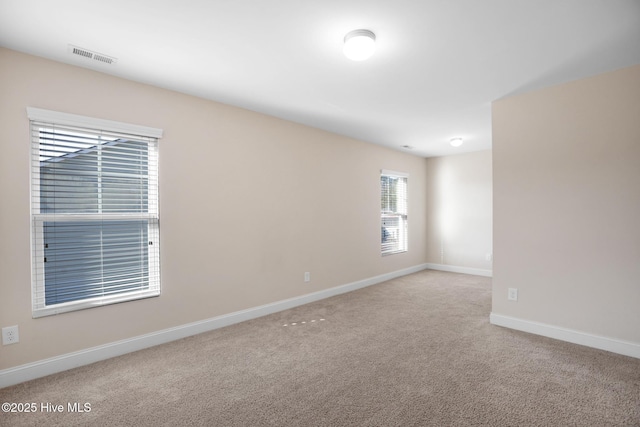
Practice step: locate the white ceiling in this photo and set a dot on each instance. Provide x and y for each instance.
(438, 65)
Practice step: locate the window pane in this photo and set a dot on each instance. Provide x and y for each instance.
(110, 177)
(87, 259)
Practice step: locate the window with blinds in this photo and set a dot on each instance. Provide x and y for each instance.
(393, 212)
(95, 224)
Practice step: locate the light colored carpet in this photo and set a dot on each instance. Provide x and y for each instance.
(414, 351)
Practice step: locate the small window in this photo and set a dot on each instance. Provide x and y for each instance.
(393, 212)
(94, 205)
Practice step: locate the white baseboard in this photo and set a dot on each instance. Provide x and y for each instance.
(463, 270)
(64, 362)
(625, 348)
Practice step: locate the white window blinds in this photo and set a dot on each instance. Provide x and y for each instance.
(95, 224)
(393, 212)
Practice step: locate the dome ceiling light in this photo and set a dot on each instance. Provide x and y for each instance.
(456, 142)
(359, 44)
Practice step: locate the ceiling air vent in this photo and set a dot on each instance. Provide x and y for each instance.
(85, 53)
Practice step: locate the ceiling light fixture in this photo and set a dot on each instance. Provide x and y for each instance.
(456, 142)
(359, 44)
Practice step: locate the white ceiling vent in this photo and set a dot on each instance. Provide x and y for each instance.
(86, 53)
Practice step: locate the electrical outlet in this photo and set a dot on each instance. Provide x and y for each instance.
(10, 335)
(512, 295)
(307, 277)
(488, 256)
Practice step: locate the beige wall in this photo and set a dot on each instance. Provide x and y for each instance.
(459, 206)
(566, 170)
(248, 204)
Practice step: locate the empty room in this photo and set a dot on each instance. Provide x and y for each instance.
(304, 213)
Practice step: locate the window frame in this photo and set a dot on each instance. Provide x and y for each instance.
(400, 213)
(38, 219)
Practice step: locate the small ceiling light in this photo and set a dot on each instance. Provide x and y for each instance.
(456, 142)
(359, 44)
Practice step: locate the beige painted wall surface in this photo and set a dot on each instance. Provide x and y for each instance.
(248, 203)
(459, 225)
(567, 205)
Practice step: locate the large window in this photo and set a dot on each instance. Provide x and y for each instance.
(94, 205)
(393, 212)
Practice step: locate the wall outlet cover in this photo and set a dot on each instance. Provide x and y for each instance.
(10, 335)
